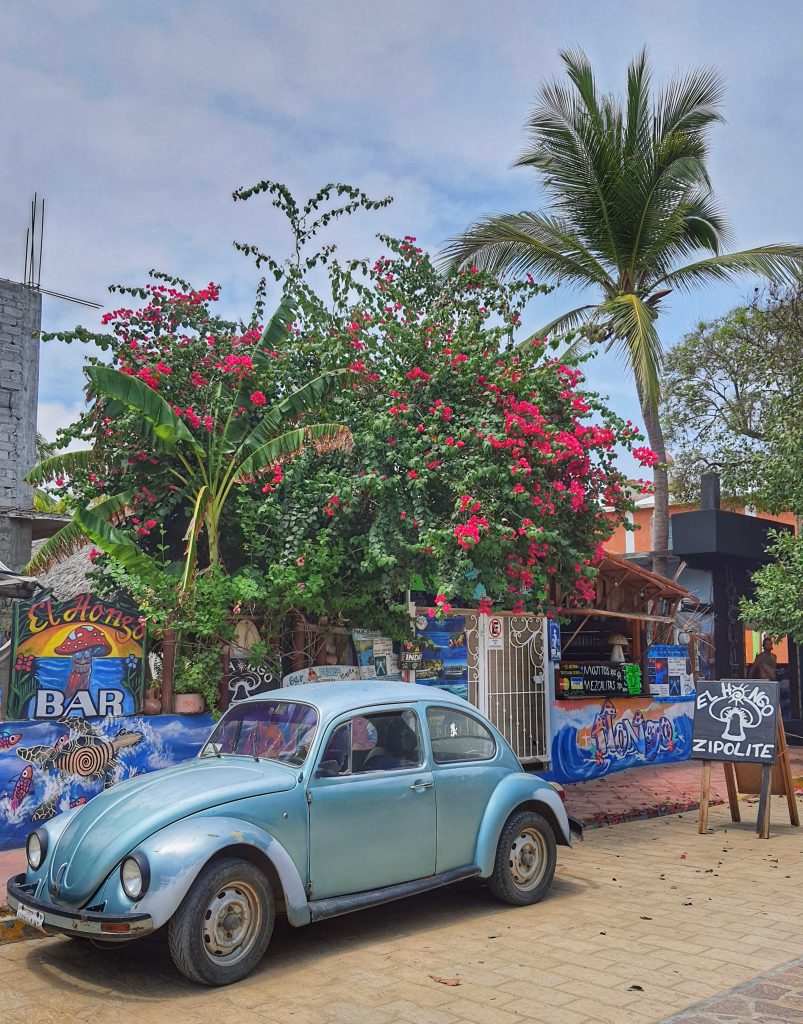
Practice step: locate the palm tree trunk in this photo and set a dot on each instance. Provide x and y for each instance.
(660, 520)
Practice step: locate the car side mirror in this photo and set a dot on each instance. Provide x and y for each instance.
(327, 770)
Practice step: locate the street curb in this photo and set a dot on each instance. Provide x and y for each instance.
(14, 930)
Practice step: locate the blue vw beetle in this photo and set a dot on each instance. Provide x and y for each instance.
(312, 801)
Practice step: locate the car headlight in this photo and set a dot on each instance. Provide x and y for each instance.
(36, 848)
(135, 875)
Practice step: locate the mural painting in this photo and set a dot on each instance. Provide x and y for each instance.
(49, 767)
(592, 738)
(444, 660)
(84, 656)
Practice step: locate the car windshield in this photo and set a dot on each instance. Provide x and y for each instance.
(280, 730)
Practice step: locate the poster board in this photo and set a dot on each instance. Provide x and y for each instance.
(669, 671)
(586, 679)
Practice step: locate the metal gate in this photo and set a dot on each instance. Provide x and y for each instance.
(512, 679)
(509, 676)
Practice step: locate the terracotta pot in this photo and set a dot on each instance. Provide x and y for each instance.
(188, 704)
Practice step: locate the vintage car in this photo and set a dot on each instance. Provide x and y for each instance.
(311, 801)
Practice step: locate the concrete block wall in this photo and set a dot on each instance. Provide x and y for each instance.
(20, 320)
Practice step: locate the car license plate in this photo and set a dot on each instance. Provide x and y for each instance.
(33, 917)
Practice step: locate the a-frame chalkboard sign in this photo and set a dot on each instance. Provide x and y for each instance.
(737, 722)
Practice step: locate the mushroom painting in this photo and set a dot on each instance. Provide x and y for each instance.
(83, 644)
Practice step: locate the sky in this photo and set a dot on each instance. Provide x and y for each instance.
(137, 121)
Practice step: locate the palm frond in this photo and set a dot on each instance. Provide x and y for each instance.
(71, 537)
(632, 321)
(322, 436)
(566, 321)
(782, 263)
(526, 243)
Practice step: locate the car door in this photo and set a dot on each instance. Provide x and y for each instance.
(467, 769)
(371, 804)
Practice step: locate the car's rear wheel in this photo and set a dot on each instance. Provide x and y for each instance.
(223, 927)
(526, 856)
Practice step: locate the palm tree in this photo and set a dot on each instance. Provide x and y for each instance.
(630, 202)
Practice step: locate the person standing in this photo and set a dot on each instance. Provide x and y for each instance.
(766, 664)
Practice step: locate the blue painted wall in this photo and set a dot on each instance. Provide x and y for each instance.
(47, 767)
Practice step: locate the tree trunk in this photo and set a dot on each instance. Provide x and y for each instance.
(169, 644)
(660, 521)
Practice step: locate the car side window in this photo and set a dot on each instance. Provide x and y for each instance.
(457, 736)
(373, 742)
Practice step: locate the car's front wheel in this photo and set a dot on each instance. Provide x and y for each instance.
(223, 927)
(525, 860)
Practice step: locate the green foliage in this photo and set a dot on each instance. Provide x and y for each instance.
(733, 392)
(777, 607)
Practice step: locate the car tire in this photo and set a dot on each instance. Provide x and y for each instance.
(526, 856)
(224, 924)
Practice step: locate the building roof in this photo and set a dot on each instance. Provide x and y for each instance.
(68, 576)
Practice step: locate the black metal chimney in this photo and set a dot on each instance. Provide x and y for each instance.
(709, 490)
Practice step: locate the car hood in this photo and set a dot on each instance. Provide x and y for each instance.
(118, 819)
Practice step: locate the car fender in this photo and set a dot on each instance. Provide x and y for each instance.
(176, 854)
(512, 792)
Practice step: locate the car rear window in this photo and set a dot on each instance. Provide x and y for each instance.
(456, 736)
(278, 730)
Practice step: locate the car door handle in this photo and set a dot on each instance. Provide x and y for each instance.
(418, 784)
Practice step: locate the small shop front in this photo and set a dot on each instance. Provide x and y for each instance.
(624, 685)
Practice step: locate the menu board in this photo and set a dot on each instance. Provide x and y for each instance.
(589, 679)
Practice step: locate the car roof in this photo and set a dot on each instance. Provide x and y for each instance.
(331, 698)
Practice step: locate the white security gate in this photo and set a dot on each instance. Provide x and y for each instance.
(512, 680)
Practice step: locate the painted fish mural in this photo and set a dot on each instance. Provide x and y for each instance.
(60, 764)
(87, 753)
(22, 786)
(8, 739)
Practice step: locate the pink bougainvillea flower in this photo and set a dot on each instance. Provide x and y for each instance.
(257, 398)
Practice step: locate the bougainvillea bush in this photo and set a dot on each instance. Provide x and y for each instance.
(479, 471)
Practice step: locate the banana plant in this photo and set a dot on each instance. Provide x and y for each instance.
(205, 470)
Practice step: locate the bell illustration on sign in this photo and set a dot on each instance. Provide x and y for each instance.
(84, 643)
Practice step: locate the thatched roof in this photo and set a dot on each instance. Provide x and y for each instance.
(68, 576)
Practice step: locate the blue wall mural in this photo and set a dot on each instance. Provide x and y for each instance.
(592, 738)
(48, 767)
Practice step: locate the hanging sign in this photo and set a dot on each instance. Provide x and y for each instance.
(735, 720)
(83, 656)
(554, 640)
(495, 635)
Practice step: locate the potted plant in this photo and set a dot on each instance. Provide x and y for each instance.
(197, 682)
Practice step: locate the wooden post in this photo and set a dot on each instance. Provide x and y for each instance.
(169, 643)
(765, 802)
(705, 793)
(786, 774)
(733, 792)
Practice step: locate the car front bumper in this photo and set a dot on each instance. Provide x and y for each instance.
(90, 923)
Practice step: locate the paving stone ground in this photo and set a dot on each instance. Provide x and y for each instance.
(645, 919)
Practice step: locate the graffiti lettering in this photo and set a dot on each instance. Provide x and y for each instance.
(639, 736)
